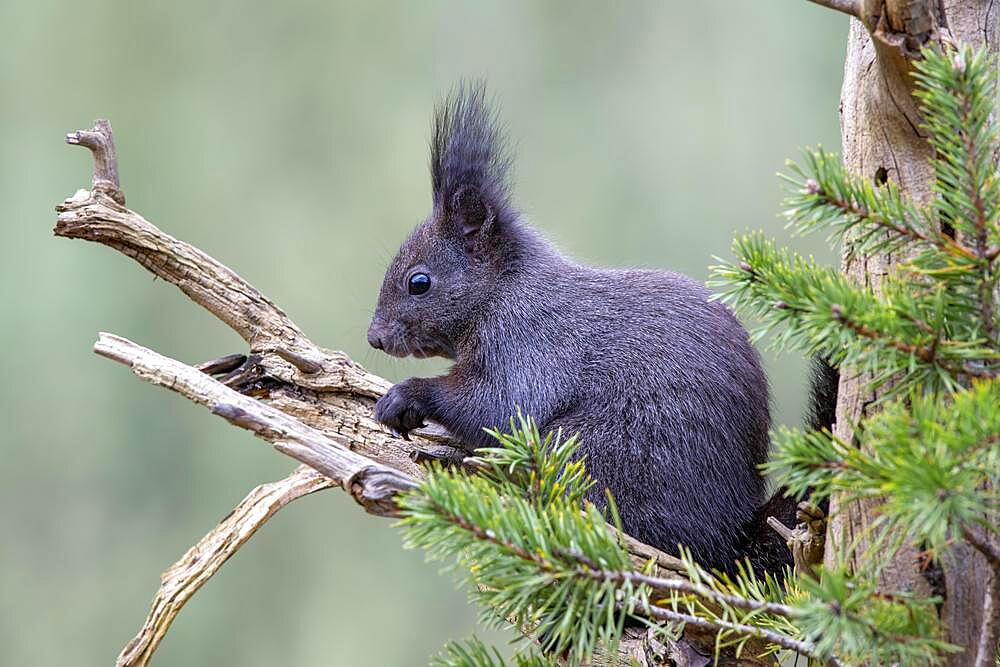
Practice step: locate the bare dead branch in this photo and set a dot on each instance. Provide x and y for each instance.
(226, 364)
(806, 541)
(372, 484)
(95, 217)
(194, 568)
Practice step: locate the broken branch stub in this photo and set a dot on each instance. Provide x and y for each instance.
(101, 142)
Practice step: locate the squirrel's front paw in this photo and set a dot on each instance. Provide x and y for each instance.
(400, 409)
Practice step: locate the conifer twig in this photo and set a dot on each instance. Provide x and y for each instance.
(926, 354)
(686, 586)
(860, 213)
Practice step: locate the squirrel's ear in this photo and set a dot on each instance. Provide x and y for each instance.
(471, 216)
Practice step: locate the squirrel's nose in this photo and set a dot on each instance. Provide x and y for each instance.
(374, 339)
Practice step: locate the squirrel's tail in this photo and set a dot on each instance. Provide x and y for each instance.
(763, 547)
(824, 380)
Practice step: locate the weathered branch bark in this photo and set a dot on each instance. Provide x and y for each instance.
(882, 140)
(373, 485)
(317, 404)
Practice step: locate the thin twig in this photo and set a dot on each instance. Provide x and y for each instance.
(906, 232)
(183, 579)
(982, 542)
(849, 7)
(704, 592)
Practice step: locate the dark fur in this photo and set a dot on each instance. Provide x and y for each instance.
(662, 385)
(824, 381)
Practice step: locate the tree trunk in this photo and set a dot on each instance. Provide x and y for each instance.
(882, 140)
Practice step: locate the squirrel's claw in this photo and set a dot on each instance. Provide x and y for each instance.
(400, 411)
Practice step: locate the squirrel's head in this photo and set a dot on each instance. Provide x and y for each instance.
(442, 279)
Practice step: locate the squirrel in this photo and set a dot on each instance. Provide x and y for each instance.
(662, 384)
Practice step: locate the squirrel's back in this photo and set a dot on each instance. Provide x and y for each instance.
(662, 384)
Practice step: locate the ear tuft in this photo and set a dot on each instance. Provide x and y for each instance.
(469, 166)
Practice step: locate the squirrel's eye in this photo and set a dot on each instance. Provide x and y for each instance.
(419, 283)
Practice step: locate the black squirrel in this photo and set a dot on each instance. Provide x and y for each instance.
(662, 384)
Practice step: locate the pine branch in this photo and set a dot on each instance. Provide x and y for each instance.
(473, 653)
(827, 197)
(819, 311)
(850, 616)
(570, 564)
(958, 93)
(924, 459)
(536, 557)
(925, 353)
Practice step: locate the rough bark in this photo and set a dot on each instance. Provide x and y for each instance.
(882, 140)
(315, 405)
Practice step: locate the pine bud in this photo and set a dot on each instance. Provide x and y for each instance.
(958, 62)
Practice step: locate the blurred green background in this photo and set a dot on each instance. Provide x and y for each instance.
(289, 141)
